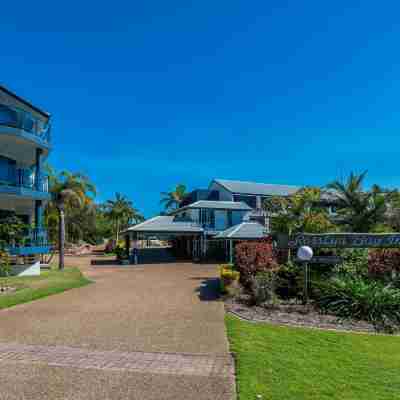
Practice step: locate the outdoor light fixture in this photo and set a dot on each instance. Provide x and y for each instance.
(305, 254)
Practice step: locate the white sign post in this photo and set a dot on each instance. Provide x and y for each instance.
(305, 253)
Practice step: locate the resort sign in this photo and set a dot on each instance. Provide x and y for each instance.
(340, 240)
(331, 260)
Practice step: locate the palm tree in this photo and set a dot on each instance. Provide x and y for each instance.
(359, 210)
(68, 190)
(122, 212)
(171, 200)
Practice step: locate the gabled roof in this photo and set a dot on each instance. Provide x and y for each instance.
(243, 231)
(254, 188)
(216, 205)
(165, 224)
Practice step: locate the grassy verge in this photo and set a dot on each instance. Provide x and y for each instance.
(36, 287)
(281, 363)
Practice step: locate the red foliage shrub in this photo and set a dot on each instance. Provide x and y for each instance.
(383, 263)
(253, 257)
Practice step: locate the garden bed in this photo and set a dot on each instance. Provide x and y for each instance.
(294, 314)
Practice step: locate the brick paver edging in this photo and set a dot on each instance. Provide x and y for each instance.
(139, 362)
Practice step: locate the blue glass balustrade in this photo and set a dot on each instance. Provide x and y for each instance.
(20, 119)
(24, 178)
(34, 242)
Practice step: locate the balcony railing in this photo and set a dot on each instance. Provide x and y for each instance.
(25, 178)
(20, 119)
(34, 242)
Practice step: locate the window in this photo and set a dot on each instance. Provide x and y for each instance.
(8, 116)
(207, 217)
(251, 201)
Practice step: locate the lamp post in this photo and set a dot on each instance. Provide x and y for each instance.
(305, 253)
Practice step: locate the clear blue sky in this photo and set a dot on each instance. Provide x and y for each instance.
(147, 94)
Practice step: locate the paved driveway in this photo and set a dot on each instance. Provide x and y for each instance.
(152, 332)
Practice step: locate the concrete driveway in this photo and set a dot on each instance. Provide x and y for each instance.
(151, 332)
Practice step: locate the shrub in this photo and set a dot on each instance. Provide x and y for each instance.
(5, 267)
(263, 288)
(384, 264)
(355, 262)
(120, 252)
(362, 299)
(227, 277)
(289, 281)
(255, 257)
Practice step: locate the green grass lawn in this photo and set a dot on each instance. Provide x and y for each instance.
(36, 287)
(282, 363)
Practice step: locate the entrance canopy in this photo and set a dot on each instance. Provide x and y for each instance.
(243, 231)
(165, 226)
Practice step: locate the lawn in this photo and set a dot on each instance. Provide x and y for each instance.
(282, 363)
(48, 283)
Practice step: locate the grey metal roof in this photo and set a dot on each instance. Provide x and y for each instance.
(223, 205)
(245, 230)
(216, 205)
(165, 224)
(257, 188)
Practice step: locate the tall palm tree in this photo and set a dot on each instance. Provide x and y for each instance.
(122, 212)
(359, 210)
(68, 190)
(171, 200)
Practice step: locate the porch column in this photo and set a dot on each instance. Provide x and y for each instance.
(38, 214)
(38, 170)
(127, 244)
(231, 251)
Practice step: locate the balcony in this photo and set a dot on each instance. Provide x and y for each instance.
(24, 182)
(34, 242)
(21, 135)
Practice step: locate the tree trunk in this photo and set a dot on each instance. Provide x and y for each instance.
(61, 238)
(117, 233)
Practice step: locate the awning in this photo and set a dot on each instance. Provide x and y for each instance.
(165, 224)
(243, 231)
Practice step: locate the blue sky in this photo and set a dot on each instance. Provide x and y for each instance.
(147, 94)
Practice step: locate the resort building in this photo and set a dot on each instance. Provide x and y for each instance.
(208, 221)
(25, 143)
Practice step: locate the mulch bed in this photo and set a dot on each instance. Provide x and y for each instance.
(294, 314)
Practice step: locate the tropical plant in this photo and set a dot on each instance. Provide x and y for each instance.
(11, 230)
(122, 213)
(300, 212)
(361, 299)
(172, 200)
(69, 191)
(358, 210)
(5, 267)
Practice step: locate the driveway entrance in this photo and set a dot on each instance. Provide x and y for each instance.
(153, 332)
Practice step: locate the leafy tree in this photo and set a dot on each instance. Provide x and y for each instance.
(171, 200)
(359, 210)
(69, 191)
(122, 213)
(300, 212)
